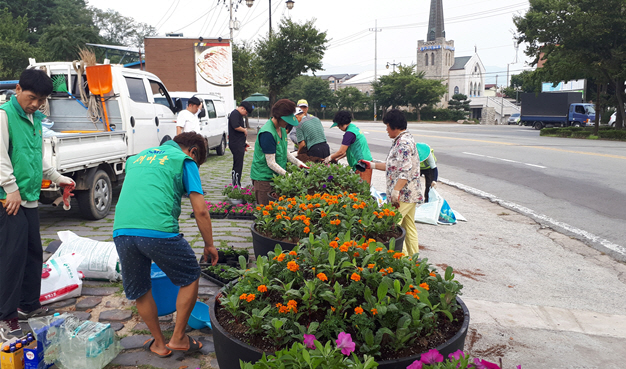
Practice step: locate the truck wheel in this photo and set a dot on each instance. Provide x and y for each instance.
(576, 124)
(221, 149)
(95, 202)
(538, 125)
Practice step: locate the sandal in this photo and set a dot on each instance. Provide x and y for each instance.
(148, 344)
(194, 346)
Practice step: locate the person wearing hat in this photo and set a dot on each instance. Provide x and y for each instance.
(353, 145)
(187, 120)
(312, 145)
(293, 134)
(428, 167)
(237, 136)
(270, 150)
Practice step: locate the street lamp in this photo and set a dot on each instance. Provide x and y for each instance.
(289, 3)
(394, 65)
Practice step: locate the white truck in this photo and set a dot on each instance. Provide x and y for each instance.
(89, 152)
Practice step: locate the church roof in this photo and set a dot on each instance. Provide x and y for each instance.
(459, 62)
(435, 21)
(337, 76)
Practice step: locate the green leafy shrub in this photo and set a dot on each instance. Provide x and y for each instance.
(320, 178)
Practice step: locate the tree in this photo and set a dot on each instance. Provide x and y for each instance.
(313, 89)
(578, 39)
(460, 106)
(526, 81)
(246, 78)
(62, 42)
(117, 29)
(293, 50)
(350, 98)
(14, 46)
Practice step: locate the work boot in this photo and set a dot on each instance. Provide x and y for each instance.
(10, 328)
(42, 311)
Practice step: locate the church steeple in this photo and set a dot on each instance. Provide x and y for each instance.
(435, 22)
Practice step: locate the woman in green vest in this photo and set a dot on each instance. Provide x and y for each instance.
(353, 145)
(270, 150)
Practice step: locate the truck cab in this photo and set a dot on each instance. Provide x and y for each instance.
(581, 115)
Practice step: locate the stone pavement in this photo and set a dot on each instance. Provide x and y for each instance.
(105, 301)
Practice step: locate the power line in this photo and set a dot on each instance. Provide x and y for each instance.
(172, 13)
(189, 24)
(263, 25)
(164, 14)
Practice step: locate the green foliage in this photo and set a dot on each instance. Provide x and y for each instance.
(117, 29)
(459, 106)
(313, 89)
(526, 81)
(295, 49)
(607, 133)
(320, 178)
(62, 42)
(352, 99)
(325, 287)
(239, 193)
(247, 80)
(407, 87)
(224, 271)
(14, 47)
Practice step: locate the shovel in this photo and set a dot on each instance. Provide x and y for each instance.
(100, 81)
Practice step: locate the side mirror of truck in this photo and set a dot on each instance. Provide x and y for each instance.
(202, 113)
(178, 105)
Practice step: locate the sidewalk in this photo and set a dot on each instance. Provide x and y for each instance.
(536, 298)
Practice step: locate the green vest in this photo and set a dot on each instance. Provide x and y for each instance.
(25, 150)
(152, 190)
(260, 171)
(359, 150)
(424, 163)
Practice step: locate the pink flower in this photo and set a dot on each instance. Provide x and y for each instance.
(484, 364)
(416, 365)
(344, 342)
(457, 355)
(309, 340)
(431, 357)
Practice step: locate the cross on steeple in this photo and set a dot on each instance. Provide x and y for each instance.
(435, 21)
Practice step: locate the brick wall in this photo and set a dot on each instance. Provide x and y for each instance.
(172, 59)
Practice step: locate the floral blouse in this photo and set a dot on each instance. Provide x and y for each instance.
(403, 162)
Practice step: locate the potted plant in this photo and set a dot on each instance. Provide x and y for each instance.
(234, 194)
(230, 256)
(290, 219)
(222, 274)
(394, 307)
(218, 210)
(242, 212)
(320, 178)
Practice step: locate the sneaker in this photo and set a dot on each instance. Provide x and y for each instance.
(9, 329)
(42, 311)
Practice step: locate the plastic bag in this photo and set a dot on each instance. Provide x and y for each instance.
(380, 197)
(446, 215)
(60, 278)
(429, 211)
(101, 259)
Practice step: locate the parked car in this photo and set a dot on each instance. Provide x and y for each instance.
(613, 118)
(514, 118)
(213, 119)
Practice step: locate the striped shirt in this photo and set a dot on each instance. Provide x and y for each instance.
(311, 131)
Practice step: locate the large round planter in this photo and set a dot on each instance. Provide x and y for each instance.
(263, 245)
(229, 350)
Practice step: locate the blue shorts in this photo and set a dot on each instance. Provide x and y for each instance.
(172, 255)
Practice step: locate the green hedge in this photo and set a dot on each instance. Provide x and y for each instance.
(608, 133)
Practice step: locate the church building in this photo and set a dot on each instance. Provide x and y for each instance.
(435, 57)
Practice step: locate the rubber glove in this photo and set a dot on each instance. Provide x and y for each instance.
(368, 164)
(433, 184)
(327, 160)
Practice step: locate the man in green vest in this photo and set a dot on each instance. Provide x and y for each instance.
(271, 150)
(146, 230)
(21, 170)
(353, 145)
(428, 167)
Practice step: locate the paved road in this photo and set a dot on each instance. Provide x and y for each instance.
(574, 186)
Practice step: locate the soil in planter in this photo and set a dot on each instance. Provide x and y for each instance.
(443, 332)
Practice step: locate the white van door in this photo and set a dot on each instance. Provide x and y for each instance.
(165, 119)
(141, 112)
(213, 137)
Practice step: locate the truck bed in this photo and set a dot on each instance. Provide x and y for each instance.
(72, 152)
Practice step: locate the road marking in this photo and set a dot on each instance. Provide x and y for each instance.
(507, 160)
(515, 144)
(543, 219)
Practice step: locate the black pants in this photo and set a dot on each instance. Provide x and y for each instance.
(320, 150)
(20, 262)
(429, 175)
(238, 151)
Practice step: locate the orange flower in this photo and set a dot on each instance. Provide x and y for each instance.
(293, 266)
(398, 255)
(358, 310)
(425, 286)
(355, 206)
(359, 268)
(278, 216)
(393, 213)
(344, 248)
(355, 277)
(432, 274)
(390, 270)
(279, 257)
(323, 214)
(371, 266)
(307, 222)
(242, 296)
(356, 254)
(265, 213)
(359, 220)
(293, 253)
(258, 208)
(345, 206)
(378, 249)
(390, 251)
(262, 288)
(374, 311)
(333, 308)
(287, 218)
(292, 303)
(322, 277)
(333, 244)
(290, 206)
(307, 229)
(250, 297)
(375, 213)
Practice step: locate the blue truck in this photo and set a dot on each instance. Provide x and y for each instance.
(556, 109)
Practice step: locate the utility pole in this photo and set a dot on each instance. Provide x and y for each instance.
(270, 18)
(231, 23)
(375, 30)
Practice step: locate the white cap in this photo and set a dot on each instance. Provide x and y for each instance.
(298, 111)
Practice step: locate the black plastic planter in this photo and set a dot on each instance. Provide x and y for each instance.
(220, 215)
(262, 245)
(215, 278)
(241, 216)
(229, 350)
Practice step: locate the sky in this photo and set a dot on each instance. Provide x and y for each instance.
(484, 25)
